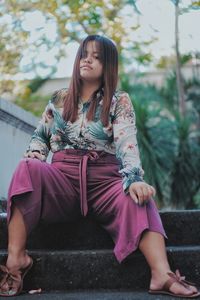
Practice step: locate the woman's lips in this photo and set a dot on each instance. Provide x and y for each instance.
(86, 67)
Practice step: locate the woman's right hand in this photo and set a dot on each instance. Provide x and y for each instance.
(34, 154)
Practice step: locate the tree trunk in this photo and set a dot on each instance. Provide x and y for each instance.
(179, 80)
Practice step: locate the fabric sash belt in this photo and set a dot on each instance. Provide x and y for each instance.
(82, 157)
(83, 179)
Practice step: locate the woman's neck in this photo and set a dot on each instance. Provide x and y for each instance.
(87, 90)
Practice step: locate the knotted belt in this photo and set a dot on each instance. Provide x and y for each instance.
(81, 157)
(83, 179)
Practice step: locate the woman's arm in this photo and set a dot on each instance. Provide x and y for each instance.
(39, 145)
(127, 152)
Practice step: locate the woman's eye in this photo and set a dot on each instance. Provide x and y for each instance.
(84, 54)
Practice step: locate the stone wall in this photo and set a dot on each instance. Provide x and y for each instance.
(16, 128)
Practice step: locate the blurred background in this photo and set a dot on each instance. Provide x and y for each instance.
(159, 50)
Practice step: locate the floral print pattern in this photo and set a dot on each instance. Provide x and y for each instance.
(118, 138)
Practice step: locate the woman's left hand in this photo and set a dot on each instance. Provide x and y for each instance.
(141, 192)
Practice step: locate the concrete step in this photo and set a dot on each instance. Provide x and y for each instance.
(182, 228)
(98, 269)
(93, 295)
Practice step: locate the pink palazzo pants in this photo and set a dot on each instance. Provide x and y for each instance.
(80, 182)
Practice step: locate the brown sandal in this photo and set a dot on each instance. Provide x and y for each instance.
(175, 277)
(11, 284)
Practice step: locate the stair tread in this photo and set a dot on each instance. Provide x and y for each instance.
(93, 295)
(102, 251)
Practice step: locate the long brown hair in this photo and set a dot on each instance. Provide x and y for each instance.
(109, 60)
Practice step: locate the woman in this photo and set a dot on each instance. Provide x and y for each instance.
(95, 169)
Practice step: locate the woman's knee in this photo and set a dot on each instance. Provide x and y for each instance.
(32, 163)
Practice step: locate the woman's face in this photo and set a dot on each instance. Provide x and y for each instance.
(91, 68)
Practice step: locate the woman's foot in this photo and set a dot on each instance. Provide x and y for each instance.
(12, 275)
(20, 262)
(171, 283)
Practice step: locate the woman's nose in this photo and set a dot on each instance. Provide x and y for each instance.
(87, 59)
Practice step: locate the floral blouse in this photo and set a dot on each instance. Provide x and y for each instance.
(118, 138)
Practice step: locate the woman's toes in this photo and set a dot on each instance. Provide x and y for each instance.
(179, 289)
(193, 289)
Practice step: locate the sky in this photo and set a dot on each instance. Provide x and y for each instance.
(156, 20)
(158, 16)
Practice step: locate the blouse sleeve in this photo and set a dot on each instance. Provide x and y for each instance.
(40, 140)
(125, 140)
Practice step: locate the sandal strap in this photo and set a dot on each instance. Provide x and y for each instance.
(11, 282)
(176, 277)
(4, 275)
(168, 284)
(189, 282)
(9, 279)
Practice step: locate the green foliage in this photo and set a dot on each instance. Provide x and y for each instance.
(169, 92)
(185, 173)
(165, 61)
(169, 144)
(169, 61)
(10, 49)
(156, 135)
(195, 4)
(148, 94)
(36, 83)
(184, 58)
(192, 87)
(33, 103)
(134, 3)
(157, 147)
